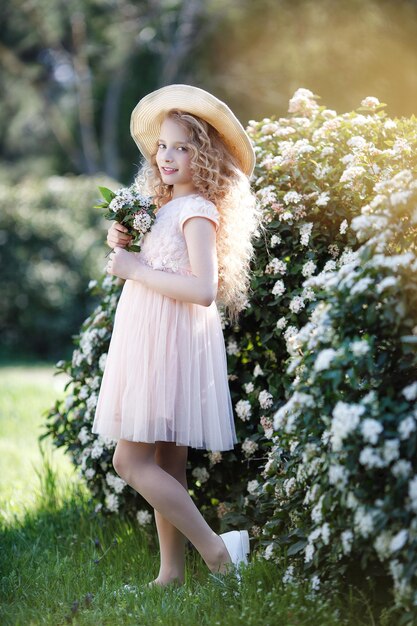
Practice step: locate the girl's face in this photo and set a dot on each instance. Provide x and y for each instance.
(173, 158)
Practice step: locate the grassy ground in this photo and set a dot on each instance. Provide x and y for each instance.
(60, 563)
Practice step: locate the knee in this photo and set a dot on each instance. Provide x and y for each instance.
(119, 463)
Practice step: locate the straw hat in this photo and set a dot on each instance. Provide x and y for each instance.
(148, 114)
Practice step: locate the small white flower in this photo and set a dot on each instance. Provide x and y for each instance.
(323, 199)
(370, 102)
(347, 539)
(143, 517)
(410, 392)
(402, 468)
(275, 240)
(201, 474)
(288, 576)
(257, 371)
(84, 435)
(249, 446)
(324, 358)
(232, 347)
(290, 486)
(309, 552)
(249, 387)
(112, 502)
(243, 410)
(281, 323)
(399, 540)
(102, 361)
(252, 487)
(215, 457)
(296, 304)
(292, 197)
(265, 399)
(269, 550)
(371, 429)
(325, 533)
(308, 268)
(115, 482)
(359, 347)
(406, 427)
(315, 583)
(278, 288)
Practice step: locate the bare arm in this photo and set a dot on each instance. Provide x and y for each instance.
(198, 288)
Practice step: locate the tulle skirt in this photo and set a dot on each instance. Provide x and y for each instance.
(165, 376)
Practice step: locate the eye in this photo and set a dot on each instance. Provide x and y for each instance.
(160, 145)
(183, 148)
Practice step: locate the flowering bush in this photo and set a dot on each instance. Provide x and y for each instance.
(340, 481)
(331, 284)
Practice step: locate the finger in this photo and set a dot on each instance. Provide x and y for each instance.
(120, 227)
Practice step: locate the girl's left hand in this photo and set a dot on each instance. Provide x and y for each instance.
(123, 264)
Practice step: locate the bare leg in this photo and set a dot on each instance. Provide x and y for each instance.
(172, 459)
(135, 463)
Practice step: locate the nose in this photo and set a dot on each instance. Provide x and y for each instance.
(167, 156)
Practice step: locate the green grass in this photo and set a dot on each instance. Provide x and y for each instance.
(62, 563)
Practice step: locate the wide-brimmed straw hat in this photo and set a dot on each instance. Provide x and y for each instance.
(148, 114)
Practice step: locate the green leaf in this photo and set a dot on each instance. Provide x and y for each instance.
(107, 194)
(296, 547)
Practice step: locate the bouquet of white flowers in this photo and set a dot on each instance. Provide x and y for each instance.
(128, 207)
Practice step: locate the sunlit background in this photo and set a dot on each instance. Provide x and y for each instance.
(71, 74)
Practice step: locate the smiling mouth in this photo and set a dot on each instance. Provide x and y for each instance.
(169, 170)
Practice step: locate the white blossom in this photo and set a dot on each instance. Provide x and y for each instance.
(249, 446)
(406, 427)
(252, 487)
(324, 358)
(243, 410)
(112, 502)
(371, 429)
(347, 540)
(115, 482)
(201, 474)
(402, 468)
(143, 517)
(279, 288)
(265, 399)
(399, 540)
(410, 392)
(345, 420)
(308, 268)
(282, 323)
(257, 371)
(269, 551)
(305, 232)
(232, 347)
(296, 304)
(323, 199)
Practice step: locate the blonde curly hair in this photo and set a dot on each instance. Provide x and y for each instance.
(217, 177)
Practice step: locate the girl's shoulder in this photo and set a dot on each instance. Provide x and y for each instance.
(196, 205)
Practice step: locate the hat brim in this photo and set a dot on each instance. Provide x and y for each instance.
(148, 114)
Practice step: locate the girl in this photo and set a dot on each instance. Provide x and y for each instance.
(165, 383)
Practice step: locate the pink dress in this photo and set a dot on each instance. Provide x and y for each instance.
(165, 376)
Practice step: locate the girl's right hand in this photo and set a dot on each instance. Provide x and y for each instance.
(116, 236)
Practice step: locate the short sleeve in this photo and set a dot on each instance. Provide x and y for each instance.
(203, 208)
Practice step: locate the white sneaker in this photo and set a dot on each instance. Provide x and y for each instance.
(237, 544)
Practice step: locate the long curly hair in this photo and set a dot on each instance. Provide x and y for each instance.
(217, 176)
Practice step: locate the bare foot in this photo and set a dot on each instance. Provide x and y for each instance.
(158, 582)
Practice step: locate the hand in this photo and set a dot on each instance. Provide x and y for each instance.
(123, 264)
(117, 236)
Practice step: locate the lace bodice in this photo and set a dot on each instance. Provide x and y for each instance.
(164, 247)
